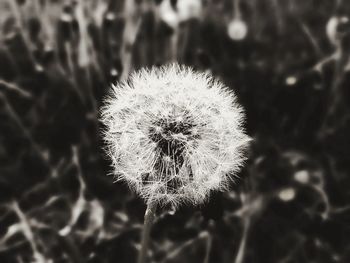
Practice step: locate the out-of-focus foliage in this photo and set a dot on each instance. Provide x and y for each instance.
(288, 62)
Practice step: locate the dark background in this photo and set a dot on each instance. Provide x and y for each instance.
(291, 73)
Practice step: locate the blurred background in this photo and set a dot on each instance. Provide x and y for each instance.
(288, 63)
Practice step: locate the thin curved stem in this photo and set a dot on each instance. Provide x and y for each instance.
(236, 9)
(145, 239)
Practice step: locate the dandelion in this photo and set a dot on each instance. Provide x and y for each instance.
(237, 29)
(183, 11)
(189, 9)
(174, 135)
(333, 28)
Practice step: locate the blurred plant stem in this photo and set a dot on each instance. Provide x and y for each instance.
(145, 239)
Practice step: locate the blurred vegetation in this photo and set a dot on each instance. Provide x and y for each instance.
(287, 61)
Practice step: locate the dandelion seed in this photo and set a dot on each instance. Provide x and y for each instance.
(174, 134)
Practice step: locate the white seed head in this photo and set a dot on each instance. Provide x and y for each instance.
(188, 9)
(237, 29)
(174, 134)
(332, 28)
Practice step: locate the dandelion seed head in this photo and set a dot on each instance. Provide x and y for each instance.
(237, 29)
(174, 134)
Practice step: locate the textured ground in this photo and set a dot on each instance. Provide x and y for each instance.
(291, 72)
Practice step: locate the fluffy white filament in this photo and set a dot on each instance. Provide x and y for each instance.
(174, 134)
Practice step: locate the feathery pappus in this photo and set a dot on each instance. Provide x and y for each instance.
(174, 134)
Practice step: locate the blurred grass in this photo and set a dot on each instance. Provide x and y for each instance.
(291, 73)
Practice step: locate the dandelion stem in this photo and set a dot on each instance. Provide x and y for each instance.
(145, 239)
